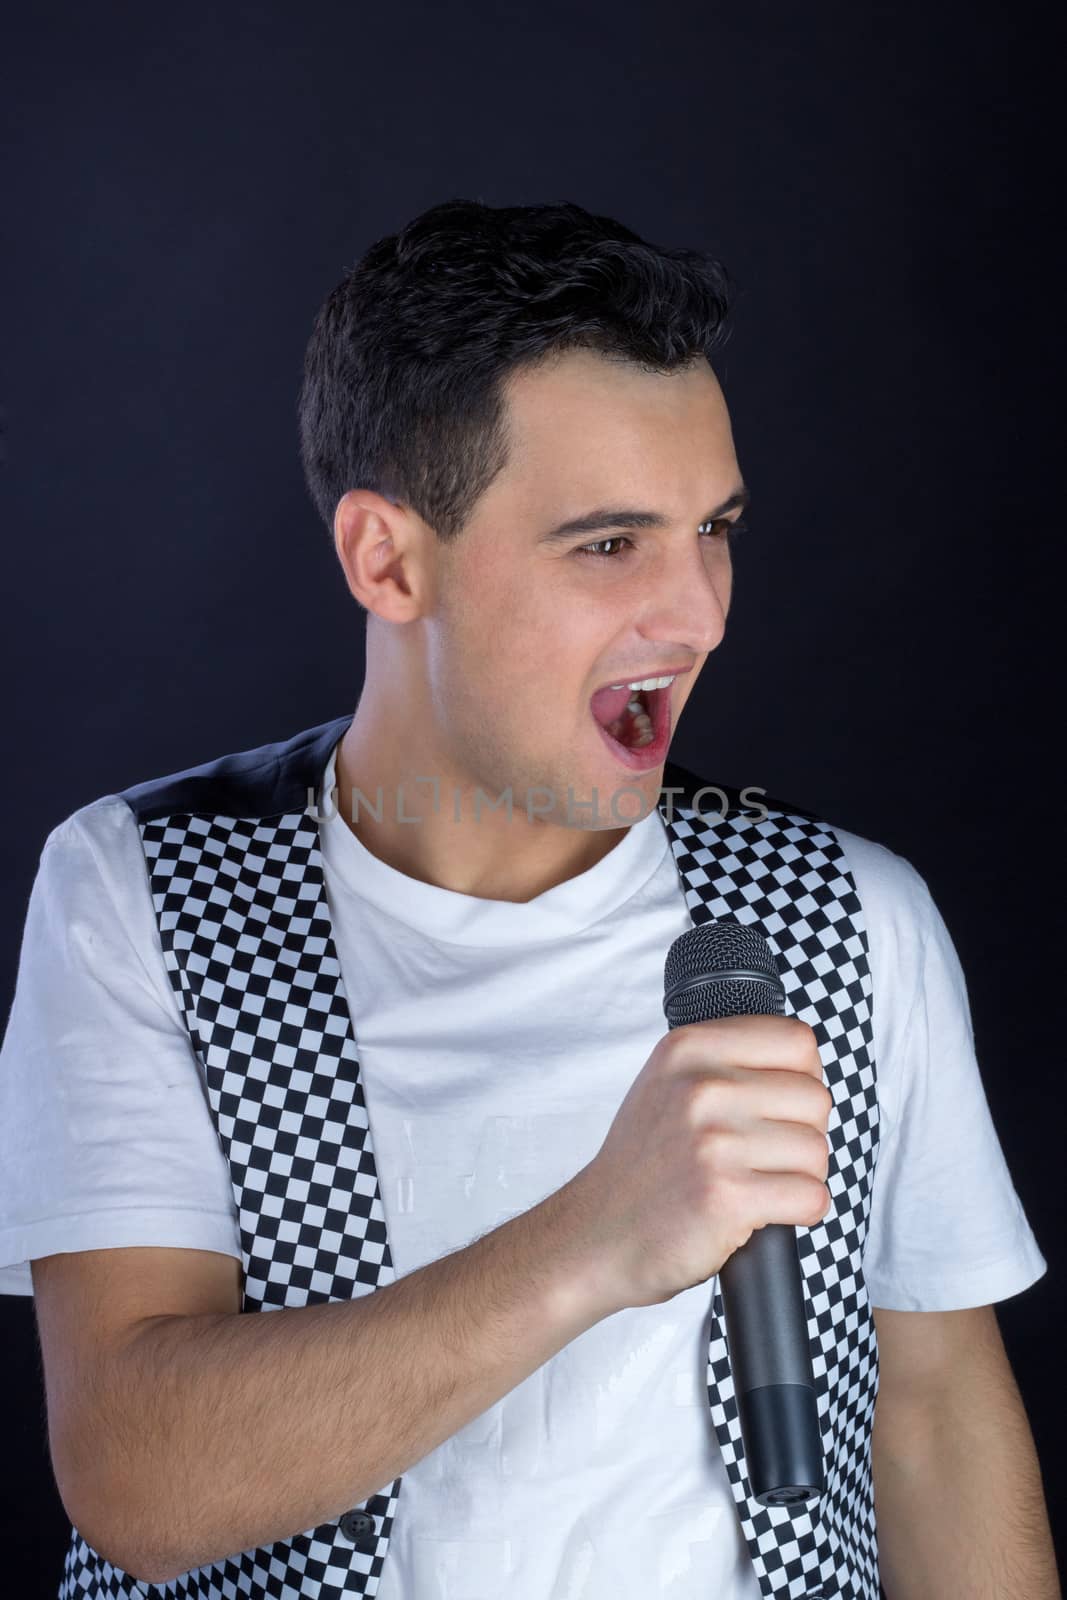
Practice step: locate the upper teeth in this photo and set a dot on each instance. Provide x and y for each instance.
(647, 683)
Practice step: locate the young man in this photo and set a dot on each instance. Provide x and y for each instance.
(365, 1029)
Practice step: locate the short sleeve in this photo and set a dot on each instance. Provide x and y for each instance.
(947, 1228)
(106, 1136)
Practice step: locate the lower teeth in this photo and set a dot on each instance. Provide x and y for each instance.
(642, 728)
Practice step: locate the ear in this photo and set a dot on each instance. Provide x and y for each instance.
(386, 554)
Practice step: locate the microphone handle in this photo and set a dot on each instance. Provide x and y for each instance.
(761, 1283)
(770, 1359)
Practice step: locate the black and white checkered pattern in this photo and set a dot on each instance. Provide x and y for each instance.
(237, 883)
(787, 874)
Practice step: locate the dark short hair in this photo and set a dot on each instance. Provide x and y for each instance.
(404, 371)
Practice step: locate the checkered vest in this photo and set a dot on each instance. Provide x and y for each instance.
(237, 883)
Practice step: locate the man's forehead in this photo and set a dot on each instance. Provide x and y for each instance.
(586, 428)
(586, 407)
(591, 375)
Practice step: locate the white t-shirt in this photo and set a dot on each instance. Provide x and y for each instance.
(496, 1042)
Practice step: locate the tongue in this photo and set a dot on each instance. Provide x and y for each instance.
(608, 704)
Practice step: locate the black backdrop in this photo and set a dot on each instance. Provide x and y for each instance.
(183, 190)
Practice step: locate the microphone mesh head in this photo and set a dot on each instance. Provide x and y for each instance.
(705, 951)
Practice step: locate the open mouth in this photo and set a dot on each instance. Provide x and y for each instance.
(635, 723)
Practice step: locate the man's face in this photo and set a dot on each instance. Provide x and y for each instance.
(528, 629)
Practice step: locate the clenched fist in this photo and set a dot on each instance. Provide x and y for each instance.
(722, 1131)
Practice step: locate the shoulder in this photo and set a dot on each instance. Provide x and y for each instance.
(263, 781)
(896, 910)
(96, 842)
(89, 938)
(902, 924)
(683, 788)
(887, 884)
(891, 890)
(98, 846)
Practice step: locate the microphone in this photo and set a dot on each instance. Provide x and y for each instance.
(722, 969)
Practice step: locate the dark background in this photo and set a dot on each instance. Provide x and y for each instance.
(182, 192)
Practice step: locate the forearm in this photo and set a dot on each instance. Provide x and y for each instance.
(231, 1431)
(959, 1502)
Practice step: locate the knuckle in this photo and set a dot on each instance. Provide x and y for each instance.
(805, 1043)
(696, 1104)
(819, 1147)
(708, 1098)
(803, 1033)
(822, 1100)
(712, 1145)
(822, 1150)
(668, 1049)
(711, 1140)
(729, 1196)
(822, 1202)
(689, 1049)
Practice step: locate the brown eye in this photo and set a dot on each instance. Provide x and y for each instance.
(722, 528)
(595, 550)
(719, 530)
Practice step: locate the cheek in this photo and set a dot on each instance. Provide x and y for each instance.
(722, 576)
(679, 701)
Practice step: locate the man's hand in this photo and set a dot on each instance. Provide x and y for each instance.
(722, 1131)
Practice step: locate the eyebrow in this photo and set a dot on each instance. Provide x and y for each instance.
(622, 517)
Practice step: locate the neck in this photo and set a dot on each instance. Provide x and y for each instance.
(448, 833)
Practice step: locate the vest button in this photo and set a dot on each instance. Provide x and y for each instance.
(359, 1527)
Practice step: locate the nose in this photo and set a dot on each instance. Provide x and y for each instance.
(687, 602)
